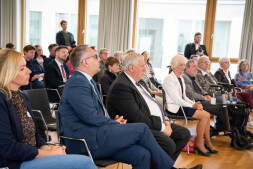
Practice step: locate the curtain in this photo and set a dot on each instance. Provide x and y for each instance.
(114, 25)
(246, 48)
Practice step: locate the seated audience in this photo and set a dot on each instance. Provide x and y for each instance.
(95, 49)
(10, 46)
(133, 101)
(37, 72)
(83, 116)
(130, 51)
(51, 49)
(223, 75)
(244, 78)
(21, 146)
(206, 78)
(120, 56)
(56, 72)
(103, 55)
(195, 92)
(39, 55)
(71, 70)
(110, 74)
(175, 90)
(195, 48)
(195, 57)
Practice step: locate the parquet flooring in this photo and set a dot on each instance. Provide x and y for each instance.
(228, 158)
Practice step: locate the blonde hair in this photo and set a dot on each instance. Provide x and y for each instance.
(176, 60)
(202, 58)
(9, 66)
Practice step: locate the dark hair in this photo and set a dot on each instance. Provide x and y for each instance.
(9, 45)
(50, 47)
(77, 55)
(28, 48)
(93, 47)
(111, 61)
(148, 61)
(192, 56)
(60, 47)
(196, 34)
(63, 21)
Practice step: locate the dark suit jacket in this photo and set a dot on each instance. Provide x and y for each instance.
(53, 76)
(82, 114)
(190, 50)
(12, 149)
(106, 81)
(61, 41)
(97, 77)
(221, 77)
(125, 100)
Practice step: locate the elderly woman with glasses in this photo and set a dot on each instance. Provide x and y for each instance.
(223, 75)
(21, 146)
(175, 90)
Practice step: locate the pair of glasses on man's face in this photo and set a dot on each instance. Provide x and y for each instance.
(95, 56)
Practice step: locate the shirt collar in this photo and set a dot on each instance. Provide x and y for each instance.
(86, 75)
(131, 79)
(204, 73)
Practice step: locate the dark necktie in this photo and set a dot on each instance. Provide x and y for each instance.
(99, 98)
(195, 86)
(154, 100)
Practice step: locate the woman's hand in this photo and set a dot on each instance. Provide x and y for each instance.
(198, 106)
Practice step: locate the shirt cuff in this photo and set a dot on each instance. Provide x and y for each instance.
(163, 127)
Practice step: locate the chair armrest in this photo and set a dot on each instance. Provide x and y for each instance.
(40, 114)
(82, 140)
(57, 92)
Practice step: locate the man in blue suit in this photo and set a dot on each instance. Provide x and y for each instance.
(84, 116)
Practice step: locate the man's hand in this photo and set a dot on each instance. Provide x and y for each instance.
(120, 119)
(167, 130)
(208, 98)
(158, 93)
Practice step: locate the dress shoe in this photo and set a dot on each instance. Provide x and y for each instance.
(199, 166)
(201, 153)
(210, 150)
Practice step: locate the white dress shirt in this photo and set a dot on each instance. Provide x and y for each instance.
(152, 105)
(59, 65)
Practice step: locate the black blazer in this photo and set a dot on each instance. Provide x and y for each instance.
(190, 50)
(125, 100)
(53, 76)
(12, 149)
(106, 81)
(221, 77)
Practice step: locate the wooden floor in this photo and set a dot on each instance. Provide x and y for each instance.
(228, 158)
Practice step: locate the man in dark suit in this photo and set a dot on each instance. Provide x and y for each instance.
(83, 116)
(57, 72)
(51, 49)
(195, 48)
(132, 100)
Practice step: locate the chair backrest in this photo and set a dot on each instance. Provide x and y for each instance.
(60, 89)
(39, 101)
(58, 123)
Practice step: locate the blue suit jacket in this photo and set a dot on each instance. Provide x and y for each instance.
(12, 149)
(82, 114)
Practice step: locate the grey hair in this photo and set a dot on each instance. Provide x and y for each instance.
(176, 60)
(240, 64)
(201, 58)
(222, 59)
(130, 51)
(131, 59)
(189, 62)
(118, 54)
(77, 55)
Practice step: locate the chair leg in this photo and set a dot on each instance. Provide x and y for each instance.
(122, 165)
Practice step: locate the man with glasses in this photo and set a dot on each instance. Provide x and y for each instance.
(57, 72)
(195, 92)
(84, 116)
(195, 48)
(103, 55)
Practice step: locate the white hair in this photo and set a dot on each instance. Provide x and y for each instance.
(223, 59)
(176, 60)
(130, 51)
(118, 54)
(131, 59)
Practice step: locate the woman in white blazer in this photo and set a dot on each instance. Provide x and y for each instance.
(174, 87)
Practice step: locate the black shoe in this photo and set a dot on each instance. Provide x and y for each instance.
(200, 152)
(199, 166)
(211, 151)
(250, 146)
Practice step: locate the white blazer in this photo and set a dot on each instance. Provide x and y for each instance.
(173, 92)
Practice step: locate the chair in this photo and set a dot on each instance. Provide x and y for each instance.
(174, 118)
(40, 104)
(99, 163)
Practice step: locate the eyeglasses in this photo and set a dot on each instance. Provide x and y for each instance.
(106, 53)
(206, 62)
(95, 56)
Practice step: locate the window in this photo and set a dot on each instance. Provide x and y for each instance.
(43, 20)
(165, 27)
(92, 22)
(228, 28)
(35, 28)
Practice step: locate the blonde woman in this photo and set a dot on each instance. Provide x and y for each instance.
(174, 87)
(21, 145)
